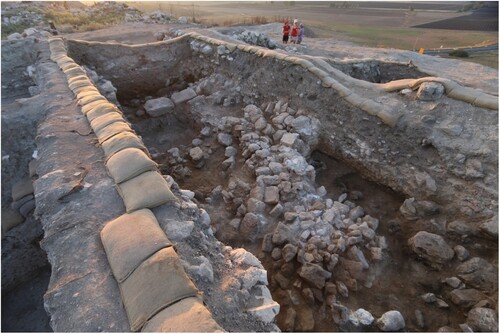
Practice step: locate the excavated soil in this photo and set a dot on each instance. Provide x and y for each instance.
(396, 280)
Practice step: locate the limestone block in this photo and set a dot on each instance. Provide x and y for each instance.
(159, 107)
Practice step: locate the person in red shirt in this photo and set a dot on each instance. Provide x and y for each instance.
(295, 32)
(286, 32)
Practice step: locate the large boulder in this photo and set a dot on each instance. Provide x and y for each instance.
(482, 319)
(431, 247)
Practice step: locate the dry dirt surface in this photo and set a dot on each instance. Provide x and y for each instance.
(340, 208)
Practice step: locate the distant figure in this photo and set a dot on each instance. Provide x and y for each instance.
(286, 31)
(53, 29)
(295, 32)
(301, 33)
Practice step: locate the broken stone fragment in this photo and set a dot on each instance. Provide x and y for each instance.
(271, 195)
(183, 96)
(159, 107)
(289, 252)
(288, 139)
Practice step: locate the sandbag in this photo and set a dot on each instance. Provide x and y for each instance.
(74, 71)
(147, 190)
(112, 130)
(91, 98)
(129, 163)
(88, 93)
(10, 219)
(131, 239)
(21, 189)
(100, 122)
(464, 94)
(121, 141)
(101, 109)
(84, 88)
(157, 283)
(78, 84)
(389, 117)
(487, 101)
(66, 67)
(91, 105)
(187, 315)
(78, 78)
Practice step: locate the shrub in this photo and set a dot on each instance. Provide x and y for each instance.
(459, 53)
(8, 29)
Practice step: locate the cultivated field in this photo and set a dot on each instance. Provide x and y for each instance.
(374, 24)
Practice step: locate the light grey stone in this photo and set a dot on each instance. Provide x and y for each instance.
(361, 317)
(482, 319)
(183, 96)
(271, 195)
(289, 139)
(196, 153)
(178, 230)
(224, 139)
(391, 321)
(231, 151)
(159, 107)
(430, 91)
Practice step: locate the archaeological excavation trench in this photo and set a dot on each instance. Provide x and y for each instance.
(307, 193)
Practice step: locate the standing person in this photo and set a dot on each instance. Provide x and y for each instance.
(301, 33)
(286, 31)
(295, 32)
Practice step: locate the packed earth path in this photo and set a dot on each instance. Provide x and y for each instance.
(315, 187)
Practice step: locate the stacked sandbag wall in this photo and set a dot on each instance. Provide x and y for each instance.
(157, 294)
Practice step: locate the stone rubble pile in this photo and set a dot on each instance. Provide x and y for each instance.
(330, 244)
(22, 13)
(256, 38)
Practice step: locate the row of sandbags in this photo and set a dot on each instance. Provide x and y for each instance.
(157, 294)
